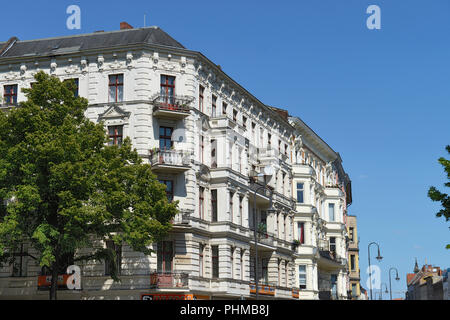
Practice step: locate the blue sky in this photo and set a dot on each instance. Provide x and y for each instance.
(381, 98)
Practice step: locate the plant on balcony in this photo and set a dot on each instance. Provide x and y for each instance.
(295, 243)
(154, 151)
(68, 188)
(262, 230)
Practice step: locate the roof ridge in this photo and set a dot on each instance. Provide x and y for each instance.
(88, 34)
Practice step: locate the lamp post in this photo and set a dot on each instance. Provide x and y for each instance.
(396, 278)
(268, 173)
(379, 257)
(381, 290)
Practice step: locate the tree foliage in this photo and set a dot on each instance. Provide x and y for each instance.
(438, 196)
(62, 186)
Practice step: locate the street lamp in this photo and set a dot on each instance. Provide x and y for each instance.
(396, 278)
(381, 290)
(267, 173)
(379, 257)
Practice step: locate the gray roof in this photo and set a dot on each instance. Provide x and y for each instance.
(96, 40)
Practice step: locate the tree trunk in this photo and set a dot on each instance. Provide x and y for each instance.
(54, 283)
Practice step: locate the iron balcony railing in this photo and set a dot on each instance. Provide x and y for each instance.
(169, 280)
(171, 103)
(169, 157)
(325, 252)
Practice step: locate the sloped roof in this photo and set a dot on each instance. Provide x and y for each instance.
(409, 278)
(96, 40)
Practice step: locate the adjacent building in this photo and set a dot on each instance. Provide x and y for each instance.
(426, 283)
(355, 291)
(214, 145)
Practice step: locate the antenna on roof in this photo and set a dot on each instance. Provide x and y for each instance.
(144, 20)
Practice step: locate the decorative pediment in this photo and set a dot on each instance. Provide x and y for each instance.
(114, 113)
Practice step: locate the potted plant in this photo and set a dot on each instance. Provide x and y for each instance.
(295, 244)
(262, 229)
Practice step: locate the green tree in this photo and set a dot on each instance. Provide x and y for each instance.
(443, 198)
(62, 187)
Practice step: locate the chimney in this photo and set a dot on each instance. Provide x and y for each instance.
(124, 25)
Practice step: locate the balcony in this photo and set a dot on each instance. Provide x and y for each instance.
(182, 218)
(45, 282)
(263, 289)
(169, 280)
(171, 107)
(286, 201)
(329, 259)
(169, 161)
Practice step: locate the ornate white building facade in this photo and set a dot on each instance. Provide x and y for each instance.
(209, 141)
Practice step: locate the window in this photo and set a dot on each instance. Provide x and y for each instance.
(168, 89)
(300, 193)
(213, 154)
(215, 261)
(202, 148)
(354, 290)
(331, 211)
(282, 181)
(265, 271)
(164, 257)
(231, 206)
(280, 262)
(110, 244)
(352, 262)
(115, 88)
(301, 232)
(214, 107)
(241, 199)
(19, 263)
(201, 202)
(115, 135)
(242, 264)
(285, 149)
(200, 98)
(233, 250)
(264, 220)
(269, 141)
(201, 259)
(165, 138)
(169, 189)
(235, 115)
(334, 286)
(10, 94)
(261, 137)
(332, 244)
(279, 146)
(286, 273)
(351, 233)
(302, 276)
(75, 91)
(244, 121)
(224, 108)
(214, 205)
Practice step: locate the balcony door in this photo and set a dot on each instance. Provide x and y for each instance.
(165, 138)
(165, 257)
(167, 90)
